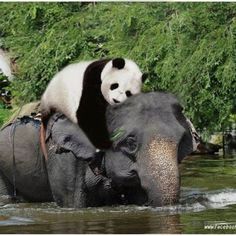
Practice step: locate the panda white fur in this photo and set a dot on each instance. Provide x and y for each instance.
(82, 91)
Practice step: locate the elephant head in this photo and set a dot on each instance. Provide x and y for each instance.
(150, 137)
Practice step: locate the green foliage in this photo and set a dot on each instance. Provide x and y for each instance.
(4, 114)
(187, 48)
(3, 83)
(232, 118)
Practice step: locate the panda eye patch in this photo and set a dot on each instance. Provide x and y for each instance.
(114, 86)
(128, 93)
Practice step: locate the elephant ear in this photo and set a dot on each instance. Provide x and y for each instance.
(69, 137)
(190, 140)
(195, 135)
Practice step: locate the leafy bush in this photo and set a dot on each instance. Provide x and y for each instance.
(4, 114)
(187, 48)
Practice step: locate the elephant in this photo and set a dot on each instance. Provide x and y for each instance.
(66, 177)
(150, 136)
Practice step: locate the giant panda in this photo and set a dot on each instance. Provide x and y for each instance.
(82, 91)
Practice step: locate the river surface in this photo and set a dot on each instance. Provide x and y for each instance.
(207, 205)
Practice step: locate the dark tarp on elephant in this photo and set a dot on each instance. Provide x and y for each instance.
(20, 141)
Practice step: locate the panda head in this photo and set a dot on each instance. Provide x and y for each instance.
(121, 78)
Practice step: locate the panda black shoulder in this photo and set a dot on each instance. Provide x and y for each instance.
(91, 90)
(92, 74)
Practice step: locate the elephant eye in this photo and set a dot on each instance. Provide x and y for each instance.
(129, 145)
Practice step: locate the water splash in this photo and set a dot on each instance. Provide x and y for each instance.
(221, 199)
(195, 201)
(5, 221)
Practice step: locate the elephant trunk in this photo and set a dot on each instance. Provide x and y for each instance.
(160, 173)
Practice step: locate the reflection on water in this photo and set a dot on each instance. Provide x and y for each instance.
(208, 195)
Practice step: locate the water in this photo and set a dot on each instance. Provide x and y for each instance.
(208, 197)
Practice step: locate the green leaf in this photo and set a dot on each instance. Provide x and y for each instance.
(117, 134)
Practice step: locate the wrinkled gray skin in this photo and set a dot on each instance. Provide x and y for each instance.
(150, 137)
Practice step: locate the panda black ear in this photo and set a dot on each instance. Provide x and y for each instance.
(144, 77)
(118, 63)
